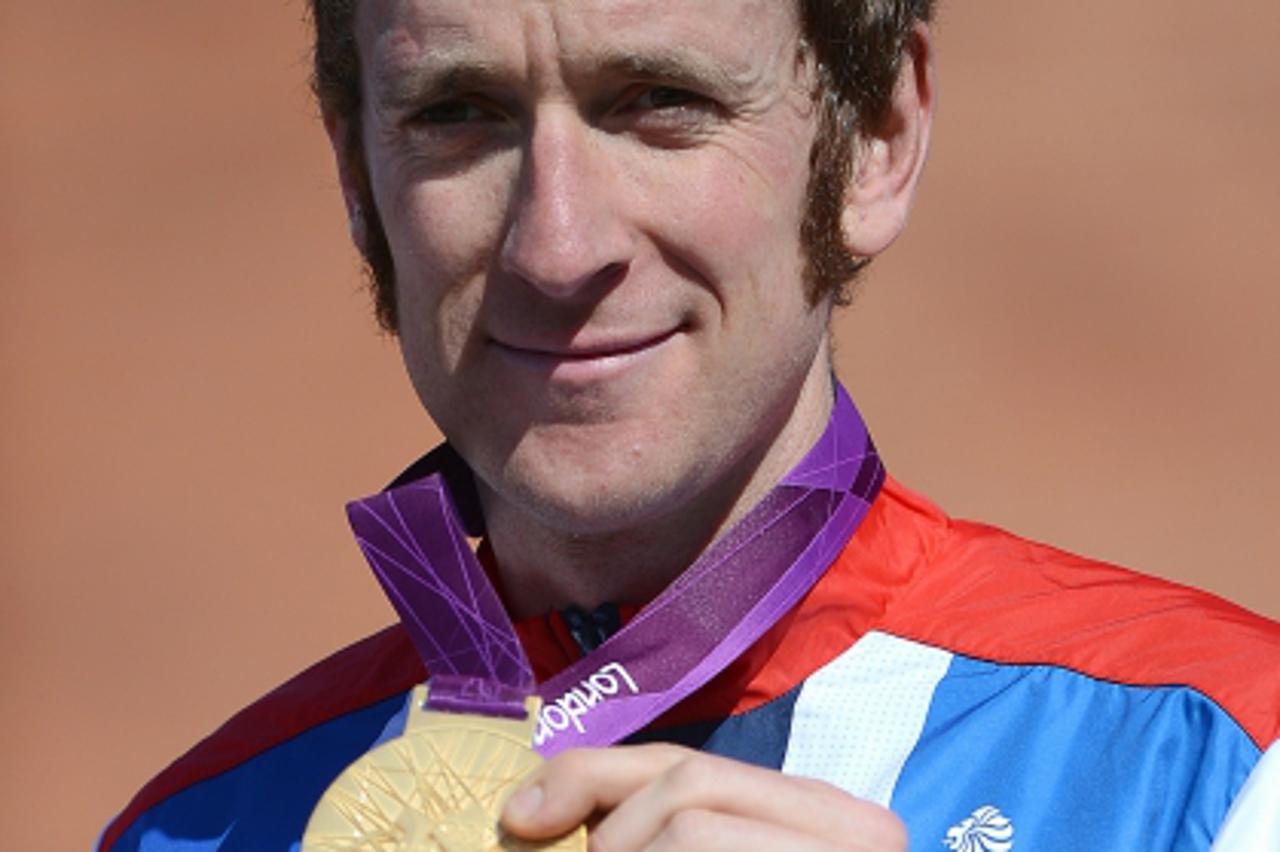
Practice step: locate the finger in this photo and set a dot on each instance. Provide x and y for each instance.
(711, 831)
(702, 782)
(565, 791)
(646, 786)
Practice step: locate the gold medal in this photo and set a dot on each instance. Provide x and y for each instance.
(439, 787)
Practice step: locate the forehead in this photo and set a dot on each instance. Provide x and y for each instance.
(396, 34)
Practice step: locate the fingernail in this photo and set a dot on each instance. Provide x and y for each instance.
(525, 803)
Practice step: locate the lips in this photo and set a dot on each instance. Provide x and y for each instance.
(591, 358)
(579, 351)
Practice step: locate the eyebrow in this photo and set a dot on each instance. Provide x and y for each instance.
(675, 66)
(442, 74)
(434, 78)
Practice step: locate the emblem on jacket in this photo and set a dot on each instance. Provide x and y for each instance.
(986, 830)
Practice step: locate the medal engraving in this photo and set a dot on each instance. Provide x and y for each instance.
(438, 788)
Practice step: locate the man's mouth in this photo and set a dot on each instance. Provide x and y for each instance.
(587, 359)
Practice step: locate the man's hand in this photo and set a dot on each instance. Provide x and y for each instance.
(666, 797)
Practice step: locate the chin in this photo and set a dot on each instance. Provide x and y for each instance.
(593, 489)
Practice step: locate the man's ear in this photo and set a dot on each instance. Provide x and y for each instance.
(352, 176)
(891, 155)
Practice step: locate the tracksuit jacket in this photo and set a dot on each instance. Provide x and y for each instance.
(996, 693)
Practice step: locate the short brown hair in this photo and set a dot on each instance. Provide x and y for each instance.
(857, 47)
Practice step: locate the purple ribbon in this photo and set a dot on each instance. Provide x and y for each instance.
(730, 596)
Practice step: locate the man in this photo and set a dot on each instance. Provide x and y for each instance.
(609, 235)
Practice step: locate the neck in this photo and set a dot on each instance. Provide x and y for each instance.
(544, 567)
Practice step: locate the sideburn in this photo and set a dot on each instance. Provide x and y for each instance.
(830, 269)
(379, 267)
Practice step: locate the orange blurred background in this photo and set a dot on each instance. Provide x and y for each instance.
(1076, 339)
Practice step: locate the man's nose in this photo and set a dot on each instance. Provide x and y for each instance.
(568, 233)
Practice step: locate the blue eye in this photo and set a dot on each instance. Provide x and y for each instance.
(666, 97)
(450, 112)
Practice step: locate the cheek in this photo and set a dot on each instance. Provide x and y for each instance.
(441, 268)
(445, 227)
(739, 204)
(742, 233)
(742, 224)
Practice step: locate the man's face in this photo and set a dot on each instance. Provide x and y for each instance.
(593, 207)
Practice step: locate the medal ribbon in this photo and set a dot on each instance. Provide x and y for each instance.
(732, 594)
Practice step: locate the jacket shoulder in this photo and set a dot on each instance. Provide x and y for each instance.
(359, 676)
(980, 591)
